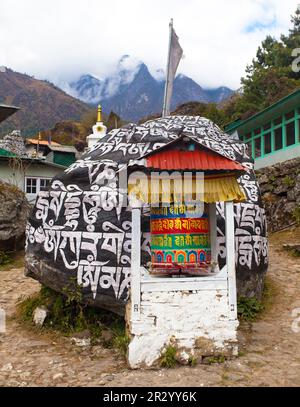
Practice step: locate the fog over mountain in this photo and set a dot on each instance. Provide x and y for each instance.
(133, 92)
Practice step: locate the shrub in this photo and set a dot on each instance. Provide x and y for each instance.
(216, 359)
(168, 358)
(68, 315)
(249, 308)
(4, 258)
(296, 214)
(288, 181)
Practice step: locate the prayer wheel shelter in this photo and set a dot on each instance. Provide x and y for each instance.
(182, 298)
(152, 222)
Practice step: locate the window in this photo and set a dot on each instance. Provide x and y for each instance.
(31, 185)
(257, 131)
(278, 121)
(290, 115)
(35, 185)
(278, 139)
(290, 134)
(267, 126)
(257, 147)
(268, 144)
(44, 183)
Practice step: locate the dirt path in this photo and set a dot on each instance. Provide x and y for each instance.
(271, 352)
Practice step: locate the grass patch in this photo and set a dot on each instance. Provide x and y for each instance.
(9, 260)
(296, 214)
(288, 181)
(5, 258)
(248, 309)
(121, 340)
(216, 359)
(192, 361)
(67, 315)
(168, 358)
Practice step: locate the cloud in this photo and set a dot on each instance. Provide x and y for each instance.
(61, 39)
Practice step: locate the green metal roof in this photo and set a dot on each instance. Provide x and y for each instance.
(65, 159)
(280, 107)
(6, 153)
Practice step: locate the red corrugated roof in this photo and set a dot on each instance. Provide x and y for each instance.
(41, 142)
(189, 160)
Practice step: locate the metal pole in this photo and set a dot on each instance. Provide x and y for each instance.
(165, 111)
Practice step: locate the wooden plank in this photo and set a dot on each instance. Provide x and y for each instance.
(163, 286)
(213, 231)
(136, 263)
(230, 258)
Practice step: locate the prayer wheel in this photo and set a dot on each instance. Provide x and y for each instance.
(180, 240)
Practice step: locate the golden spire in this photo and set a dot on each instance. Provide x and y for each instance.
(99, 116)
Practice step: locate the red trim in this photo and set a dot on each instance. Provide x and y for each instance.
(191, 160)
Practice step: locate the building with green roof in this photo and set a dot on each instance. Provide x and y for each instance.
(272, 135)
(32, 171)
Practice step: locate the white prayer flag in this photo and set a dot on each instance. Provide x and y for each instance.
(174, 57)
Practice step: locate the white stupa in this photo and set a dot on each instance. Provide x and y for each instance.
(99, 130)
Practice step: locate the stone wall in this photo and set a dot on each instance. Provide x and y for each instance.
(280, 188)
(14, 143)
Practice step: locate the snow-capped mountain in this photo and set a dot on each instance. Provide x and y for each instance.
(133, 92)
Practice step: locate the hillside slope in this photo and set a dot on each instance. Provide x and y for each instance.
(41, 103)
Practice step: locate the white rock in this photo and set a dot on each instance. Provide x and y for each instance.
(7, 368)
(182, 357)
(39, 315)
(58, 376)
(81, 341)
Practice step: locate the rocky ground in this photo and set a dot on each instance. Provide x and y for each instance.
(270, 347)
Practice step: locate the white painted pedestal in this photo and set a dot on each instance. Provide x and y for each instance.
(198, 315)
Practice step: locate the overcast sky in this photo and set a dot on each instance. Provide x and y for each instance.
(61, 39)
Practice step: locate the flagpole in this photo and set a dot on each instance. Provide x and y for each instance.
(38, 144)
(165, 111)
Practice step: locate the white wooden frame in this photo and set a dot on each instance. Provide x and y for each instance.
(38, 183)
(230, 258)
(225, 280)
(135, 258)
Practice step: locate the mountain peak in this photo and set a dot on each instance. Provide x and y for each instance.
(128, 64)
(133, 92)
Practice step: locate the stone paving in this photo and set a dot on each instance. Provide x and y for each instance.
(270, 347)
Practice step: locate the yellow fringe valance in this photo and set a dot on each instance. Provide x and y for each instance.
(215, 189)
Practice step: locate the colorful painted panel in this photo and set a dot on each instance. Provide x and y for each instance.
(179, 237)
